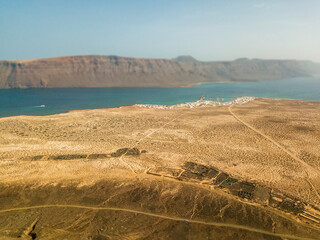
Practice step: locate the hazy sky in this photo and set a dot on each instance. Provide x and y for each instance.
(207, 30)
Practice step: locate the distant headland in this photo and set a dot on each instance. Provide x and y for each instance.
(114, 71)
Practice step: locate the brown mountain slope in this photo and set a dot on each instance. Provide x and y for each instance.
(113, 71)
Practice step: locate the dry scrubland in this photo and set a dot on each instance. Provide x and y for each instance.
(61, 176)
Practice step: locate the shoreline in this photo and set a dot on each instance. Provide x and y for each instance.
(195, 104)
(187, 85)
(75, 99)
(199, 103)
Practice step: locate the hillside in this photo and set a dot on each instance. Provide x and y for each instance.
(244, 171)
(113, 71)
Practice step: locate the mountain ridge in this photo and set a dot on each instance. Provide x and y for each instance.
(185, 58)
(115, 71)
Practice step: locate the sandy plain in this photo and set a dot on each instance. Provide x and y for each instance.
(64, 177)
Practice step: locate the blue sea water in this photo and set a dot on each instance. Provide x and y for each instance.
(57, 100)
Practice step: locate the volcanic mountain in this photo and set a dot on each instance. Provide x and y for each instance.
(114, 71)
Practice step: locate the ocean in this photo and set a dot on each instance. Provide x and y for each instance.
(58, 100)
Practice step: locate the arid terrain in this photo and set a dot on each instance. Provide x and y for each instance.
(114, 71)
(249, 171)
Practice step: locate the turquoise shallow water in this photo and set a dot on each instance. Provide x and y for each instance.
(58, 100)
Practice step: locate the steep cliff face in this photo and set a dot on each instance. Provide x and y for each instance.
(113, 71)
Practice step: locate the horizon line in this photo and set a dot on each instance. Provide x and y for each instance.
(171, 59)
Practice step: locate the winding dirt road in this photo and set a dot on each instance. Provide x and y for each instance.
(216, 224)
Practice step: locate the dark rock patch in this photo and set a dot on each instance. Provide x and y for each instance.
(189, 175)
(36, 158)
(247, 186)
(220, 178)
(68, 157)
(200, 170)
(291, 206)
(126, 151)
(244, 194)
(228, 182)
(97, 155)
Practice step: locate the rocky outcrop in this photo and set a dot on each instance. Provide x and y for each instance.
(113, 71)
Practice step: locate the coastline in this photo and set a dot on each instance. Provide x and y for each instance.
(199, 103)
(188, 85)
(195, 104)
(55, 101)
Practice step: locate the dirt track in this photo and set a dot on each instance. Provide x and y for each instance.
(306, 167)
(272, 143)
(162, 216)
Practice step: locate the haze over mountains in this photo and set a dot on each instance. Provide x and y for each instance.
(114, 71)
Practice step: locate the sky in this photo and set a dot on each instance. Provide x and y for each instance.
(208, 30)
